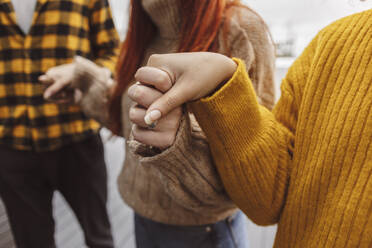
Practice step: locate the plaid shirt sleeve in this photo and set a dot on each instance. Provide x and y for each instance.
(104, 37)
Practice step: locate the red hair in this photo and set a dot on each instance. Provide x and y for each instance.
(200, 25)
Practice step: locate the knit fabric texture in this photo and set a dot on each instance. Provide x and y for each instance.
(308, 164)
(181, 186)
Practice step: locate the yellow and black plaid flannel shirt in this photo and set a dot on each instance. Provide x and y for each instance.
(60, 30)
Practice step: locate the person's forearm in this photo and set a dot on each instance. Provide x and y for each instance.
(251, 149)
(95, 84)
(94, 104)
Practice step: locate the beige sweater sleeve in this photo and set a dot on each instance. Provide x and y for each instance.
(248, 38)
(186, 168)
(94, 82)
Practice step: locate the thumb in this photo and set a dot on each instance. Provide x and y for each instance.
(171, 100)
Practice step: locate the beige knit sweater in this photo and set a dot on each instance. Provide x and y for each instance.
(180, 186)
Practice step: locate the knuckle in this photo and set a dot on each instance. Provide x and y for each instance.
(135, 92)
(153, 59)
(175, 126)
(169, 139)
(164, 81)
(135, 132)
(140, 71)
(132, 114)
(52, 72)
(161, 78)
(131, 90)
(138, 93)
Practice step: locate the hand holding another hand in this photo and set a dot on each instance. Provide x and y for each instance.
(161, 134)
(167, 82)
(68, 82)
(57, 81)
(185, 77)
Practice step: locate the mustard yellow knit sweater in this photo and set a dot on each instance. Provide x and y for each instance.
(308, 164)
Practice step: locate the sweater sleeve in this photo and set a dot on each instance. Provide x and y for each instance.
(253, 147)
(187, 170)
(95, 83)
(247, 37)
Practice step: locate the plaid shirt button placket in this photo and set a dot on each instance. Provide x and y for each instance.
(60, 30)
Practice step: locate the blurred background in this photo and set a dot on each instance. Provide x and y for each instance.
(292, 23)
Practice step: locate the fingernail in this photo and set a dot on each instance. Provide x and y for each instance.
(152, 117)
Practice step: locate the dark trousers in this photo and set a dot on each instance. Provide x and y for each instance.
(228, 233)
(29, 179)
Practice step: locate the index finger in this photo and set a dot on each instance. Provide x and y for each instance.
(46, 79)
(156, 77)
(55, 88)
(172, 99)
(143, 95)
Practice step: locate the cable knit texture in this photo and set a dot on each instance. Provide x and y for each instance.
(181, 186)
(308, 164)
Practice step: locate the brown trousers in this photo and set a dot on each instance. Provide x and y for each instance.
(29, 179)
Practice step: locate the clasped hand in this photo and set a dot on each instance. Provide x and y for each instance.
(165, 84)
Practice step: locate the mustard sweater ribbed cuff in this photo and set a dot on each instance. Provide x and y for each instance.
(240, 132)
(229, 104)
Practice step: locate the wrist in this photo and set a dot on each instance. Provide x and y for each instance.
(87, 73)
(230, 67)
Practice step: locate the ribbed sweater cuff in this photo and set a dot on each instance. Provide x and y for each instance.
(232, 110)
